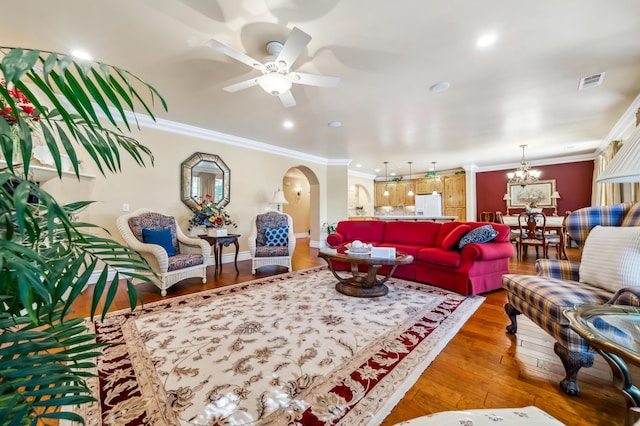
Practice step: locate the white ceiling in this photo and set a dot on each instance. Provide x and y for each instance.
(521, 90)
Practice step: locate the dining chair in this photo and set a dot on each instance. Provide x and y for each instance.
(532, 233)
(514, 234)
(487, 217)
(553, 239)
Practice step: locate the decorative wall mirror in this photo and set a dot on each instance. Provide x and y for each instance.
(204, 174)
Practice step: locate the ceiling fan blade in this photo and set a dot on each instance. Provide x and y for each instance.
(235, 54)
(287, 99)
(314, 79)
(293, 47)
(242, 85)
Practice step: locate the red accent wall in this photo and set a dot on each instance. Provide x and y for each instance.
(573, 182)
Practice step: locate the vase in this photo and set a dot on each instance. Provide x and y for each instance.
(217, 232)
(197, 230)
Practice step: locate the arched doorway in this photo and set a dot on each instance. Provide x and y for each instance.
(302, 190)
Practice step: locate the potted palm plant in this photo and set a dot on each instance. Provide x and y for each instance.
(47, 258)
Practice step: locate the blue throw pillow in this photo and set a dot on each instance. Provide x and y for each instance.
(162, 237)
(481, 234)
(277, 237)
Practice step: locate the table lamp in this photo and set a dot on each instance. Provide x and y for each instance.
(278, 198)
(507, 198)
(555, 197)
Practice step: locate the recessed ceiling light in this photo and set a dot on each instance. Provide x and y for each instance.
(335, 123)
(377, 170)
(287, 124)
(440, 87)
(80, 54)
(393, 173)
(486, 40)
(358, 165)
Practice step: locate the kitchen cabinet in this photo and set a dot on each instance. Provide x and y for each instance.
(454, 195)
(428, 185)
(397, 194)
(381, 199)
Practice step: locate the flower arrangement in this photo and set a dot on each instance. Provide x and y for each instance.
(26, 109)
(210, 215)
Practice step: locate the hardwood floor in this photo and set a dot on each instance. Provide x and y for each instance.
(482, 366)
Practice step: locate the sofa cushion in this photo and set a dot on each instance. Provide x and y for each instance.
(481, 234)
(439, 256)
(363, 230)
(403, 248)
(451, 241)
(412, 232)
(549, 297)
(611, 257)
(161, 237)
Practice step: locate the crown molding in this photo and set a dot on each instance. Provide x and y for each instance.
(144, 120)
(362, 175)
(539, 163)
(626, 122)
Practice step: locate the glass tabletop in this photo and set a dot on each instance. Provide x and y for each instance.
(613, 328)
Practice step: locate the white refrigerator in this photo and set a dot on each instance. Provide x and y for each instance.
(429, 205)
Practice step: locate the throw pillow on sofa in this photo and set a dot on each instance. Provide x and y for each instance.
(277, 237)
(161, 237)
(481, 234)
(611, 257)
(452, 239)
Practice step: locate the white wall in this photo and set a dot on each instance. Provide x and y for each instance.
(254, 177)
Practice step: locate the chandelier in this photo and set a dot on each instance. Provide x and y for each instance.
(524, 175)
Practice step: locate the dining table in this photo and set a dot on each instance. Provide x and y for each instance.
(553, 224)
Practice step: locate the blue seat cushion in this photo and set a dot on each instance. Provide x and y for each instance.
(161, 237)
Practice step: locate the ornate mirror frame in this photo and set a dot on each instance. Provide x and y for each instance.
(187, 178)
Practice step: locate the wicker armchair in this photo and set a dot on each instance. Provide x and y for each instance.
(263, 252)
(191, 258)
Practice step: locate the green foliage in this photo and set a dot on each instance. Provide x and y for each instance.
(46, 258)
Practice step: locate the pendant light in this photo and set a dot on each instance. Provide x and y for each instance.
(432, 174)
(410, 193)
(386, 189)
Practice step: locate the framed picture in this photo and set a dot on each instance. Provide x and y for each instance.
(536, 194)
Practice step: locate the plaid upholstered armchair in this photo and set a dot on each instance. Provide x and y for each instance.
(271, 240)
(172, 255)
(609, 273)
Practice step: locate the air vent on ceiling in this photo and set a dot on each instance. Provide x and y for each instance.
(591, 81)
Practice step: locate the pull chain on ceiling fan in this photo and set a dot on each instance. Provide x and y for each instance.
(277, 77)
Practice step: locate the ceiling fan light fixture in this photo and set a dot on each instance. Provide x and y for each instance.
(274, 84)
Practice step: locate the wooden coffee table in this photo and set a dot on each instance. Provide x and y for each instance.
(361, 284)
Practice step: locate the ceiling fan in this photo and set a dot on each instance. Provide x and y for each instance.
(277, 77)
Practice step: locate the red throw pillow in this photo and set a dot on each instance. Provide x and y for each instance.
(450, 242)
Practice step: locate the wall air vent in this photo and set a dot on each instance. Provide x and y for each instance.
(591, 81)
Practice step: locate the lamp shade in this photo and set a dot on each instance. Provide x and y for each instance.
(506, 197)
(274, 84)
(625, 165)
(555, 195)
(278, 198)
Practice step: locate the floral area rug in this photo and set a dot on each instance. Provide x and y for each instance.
(283, 350)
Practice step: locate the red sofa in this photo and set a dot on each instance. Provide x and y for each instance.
(477, 268)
